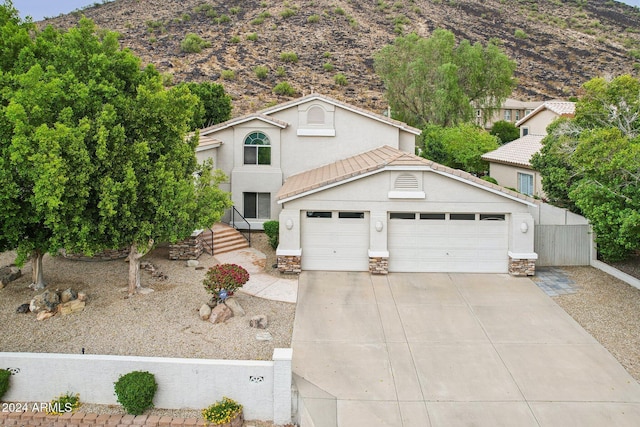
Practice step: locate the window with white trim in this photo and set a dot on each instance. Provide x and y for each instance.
(257, 149)
(257, 205)
(507, 115)
(525, 183)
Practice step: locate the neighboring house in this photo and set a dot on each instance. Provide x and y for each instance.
(512, 110)
(510, 164)
(350, 195)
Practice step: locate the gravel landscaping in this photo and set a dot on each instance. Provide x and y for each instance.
(609, 310)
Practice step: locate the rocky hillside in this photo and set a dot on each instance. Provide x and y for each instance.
(558, 44)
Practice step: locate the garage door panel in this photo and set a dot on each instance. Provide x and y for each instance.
(448, 246)
(335, 244)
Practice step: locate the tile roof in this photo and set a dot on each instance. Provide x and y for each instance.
(561, 108)
(370, 162)
(517, 152)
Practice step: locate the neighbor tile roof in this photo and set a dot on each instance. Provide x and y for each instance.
(517, 152)
(372, 161)
(561, 108)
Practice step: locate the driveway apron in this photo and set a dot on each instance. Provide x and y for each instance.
(437, 349)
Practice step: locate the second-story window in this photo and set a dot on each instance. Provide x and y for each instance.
(257, 149)
(507, 115)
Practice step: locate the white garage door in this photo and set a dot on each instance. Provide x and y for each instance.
(335, 241)
(443, 242)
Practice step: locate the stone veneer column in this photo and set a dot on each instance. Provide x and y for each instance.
(378, 262)
(522, 264)
(289, 261)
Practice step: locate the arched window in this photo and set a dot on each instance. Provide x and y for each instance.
(257, 149)
(315, 116)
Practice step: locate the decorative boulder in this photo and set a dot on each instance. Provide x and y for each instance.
(259, 322)
(192, 263)
(8, 274)
(72, 306)
(43, 315)
(23, 308)
(205, 312)
(221, 313)
(68, 295)
(235, 307)
(46, 301)
(82, 296)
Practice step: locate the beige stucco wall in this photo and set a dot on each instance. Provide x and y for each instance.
(507, 176)
(537, 124)
(371, 194)
(292, 153)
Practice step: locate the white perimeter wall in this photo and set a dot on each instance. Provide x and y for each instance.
(262, 387)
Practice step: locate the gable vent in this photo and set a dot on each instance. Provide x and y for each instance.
(406, 182)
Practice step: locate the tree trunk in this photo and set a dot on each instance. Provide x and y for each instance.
(37, 277)
(134, 269)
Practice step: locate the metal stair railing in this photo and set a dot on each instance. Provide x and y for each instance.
(246, 233)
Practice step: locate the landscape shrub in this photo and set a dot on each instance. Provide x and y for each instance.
(252, 37)
(327, 66)
(223, 19)
(313, 19)
(261, 71)
(135, 391)
(235, 10)
(64, 403)
(289, 57)
(288, 13)
(228, 277)
(284, 88)
(520, 34)
(272, 230)
(193, 43)
(340, 79)
(222, 412)
(235, 39)
(228, 75)
(4, 381)
(281, 72)
(490, 179)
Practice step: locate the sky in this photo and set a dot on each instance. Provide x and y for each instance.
(38, 9)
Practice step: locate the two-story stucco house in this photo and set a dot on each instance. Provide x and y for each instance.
(510, 164)
(351, 195)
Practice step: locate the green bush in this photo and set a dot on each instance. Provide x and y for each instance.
(281, 72)
(252, 37)
(520, 34)
(135, 391)
(4, 381)
(193, 43)
(340, 79)
(313, 19)
(235, 10)
(287, 13)
(222, 412)
(228, 75)
(327, 66)
(490, 179)
(223, 19)
(272, 230)
(234, 39)
(284, 88)
(261, 71)
(289, 57)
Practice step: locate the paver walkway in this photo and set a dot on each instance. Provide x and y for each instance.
(554, 281)
(450, 350)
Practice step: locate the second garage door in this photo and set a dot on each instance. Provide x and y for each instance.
(444, 242)
(335, 241)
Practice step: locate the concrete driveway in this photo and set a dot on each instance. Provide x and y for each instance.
(449, 350)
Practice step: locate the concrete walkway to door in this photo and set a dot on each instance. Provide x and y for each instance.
(449, 350)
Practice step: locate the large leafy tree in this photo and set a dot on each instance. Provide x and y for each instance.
(591, 163)
(459, 147)
(214, 106)
(433, 81)
(94, 150)
(505, 131)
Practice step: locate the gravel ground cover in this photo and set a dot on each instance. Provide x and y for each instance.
(163, 323)
(609, 310)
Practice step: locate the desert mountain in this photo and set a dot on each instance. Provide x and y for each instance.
(558, 44)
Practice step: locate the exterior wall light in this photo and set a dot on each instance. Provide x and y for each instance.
(289, 224)
(524, 227)
(379, 225)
